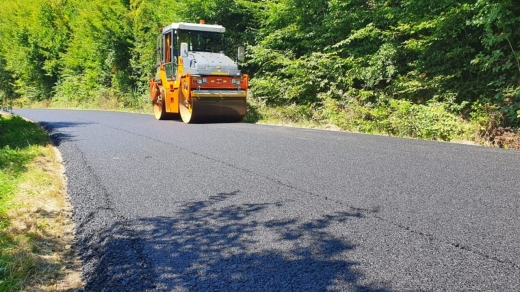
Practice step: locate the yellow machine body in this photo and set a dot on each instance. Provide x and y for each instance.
(195, 80)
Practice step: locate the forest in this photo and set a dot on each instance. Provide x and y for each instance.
(439, 70)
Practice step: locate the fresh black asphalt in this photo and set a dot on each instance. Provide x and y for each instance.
(160, 205)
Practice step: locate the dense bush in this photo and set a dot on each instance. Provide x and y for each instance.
(385, 62)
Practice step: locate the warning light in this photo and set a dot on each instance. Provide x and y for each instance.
(202, 21)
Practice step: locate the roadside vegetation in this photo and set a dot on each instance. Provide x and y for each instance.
(443, 70)
(36, 230)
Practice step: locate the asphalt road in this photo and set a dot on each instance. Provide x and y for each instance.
(160, 205)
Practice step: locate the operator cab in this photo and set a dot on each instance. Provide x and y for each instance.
(193, 48)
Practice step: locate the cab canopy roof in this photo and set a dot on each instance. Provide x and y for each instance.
(195, 26)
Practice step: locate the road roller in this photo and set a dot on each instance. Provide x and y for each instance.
(195, 81)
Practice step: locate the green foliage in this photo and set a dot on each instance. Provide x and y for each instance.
(287, 79)
(7, 92)
(449, 53)
(401, 118)
(33, 35)
(434, 121)
(377, 57)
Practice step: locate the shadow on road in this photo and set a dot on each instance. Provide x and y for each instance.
(57, 133)
(211, 245)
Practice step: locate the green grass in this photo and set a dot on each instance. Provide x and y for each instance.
(433, 121)
(20, 143)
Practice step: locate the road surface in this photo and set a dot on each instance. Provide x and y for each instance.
(160, 205)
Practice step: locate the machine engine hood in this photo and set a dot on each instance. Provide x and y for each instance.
(206, 63)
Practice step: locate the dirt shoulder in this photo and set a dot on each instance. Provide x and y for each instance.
(38, 229)
(47, 211)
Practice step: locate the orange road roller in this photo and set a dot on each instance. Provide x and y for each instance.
(195, 80)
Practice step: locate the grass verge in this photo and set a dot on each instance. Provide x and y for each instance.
(36, 230)
(399, 118)
(394, 118)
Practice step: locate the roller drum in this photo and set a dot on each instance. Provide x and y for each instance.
(215, 109)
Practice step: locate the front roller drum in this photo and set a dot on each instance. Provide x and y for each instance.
(159, 107)
(212, 109)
